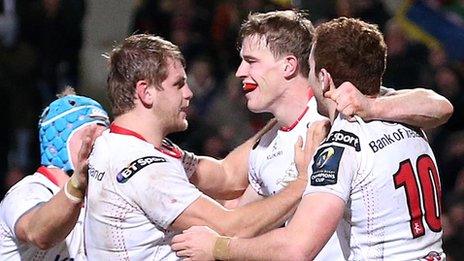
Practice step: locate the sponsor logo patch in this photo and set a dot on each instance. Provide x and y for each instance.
(432, 256)
(346, 138)
(137, 165)
(325, 166)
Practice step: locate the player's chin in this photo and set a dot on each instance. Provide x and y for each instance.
(183, 125)
(254, 107)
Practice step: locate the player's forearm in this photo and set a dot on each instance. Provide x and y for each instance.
(277, 244)
(227, 178)
(418, 107)
(51, 222)
(263, 215)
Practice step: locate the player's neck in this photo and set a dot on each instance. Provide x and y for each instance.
(333, 114)
(146, 127)
(292, 104)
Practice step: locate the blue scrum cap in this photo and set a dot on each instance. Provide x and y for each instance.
(59, 121)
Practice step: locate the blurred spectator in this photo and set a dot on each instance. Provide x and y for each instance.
(17, 83)
(203, 84)
(229, 113)
(453, 225)
(372, 11)
(151, 17)
(451, 159)
(404, 59)
(54, 29)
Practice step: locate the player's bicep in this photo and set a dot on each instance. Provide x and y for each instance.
(20, 203)
(217, 181)
(204, 211)
(22, 224)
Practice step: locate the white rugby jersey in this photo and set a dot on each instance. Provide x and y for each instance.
(386, 173)
(272, 167)
(135, 192)
(26, 194)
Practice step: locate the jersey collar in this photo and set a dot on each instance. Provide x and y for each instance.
(53, 177)
(289, 128)
(167, 147)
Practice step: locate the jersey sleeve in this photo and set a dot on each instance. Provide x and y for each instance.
(335, 165)
(161, 189)
(21, 199)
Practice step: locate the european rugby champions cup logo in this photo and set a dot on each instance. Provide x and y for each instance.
(325, 166)
(324, 157)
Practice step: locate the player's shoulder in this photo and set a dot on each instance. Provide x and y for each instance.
(135, 167)
(30, 183)
(34, 187)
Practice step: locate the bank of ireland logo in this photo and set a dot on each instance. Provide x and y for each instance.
(324, 157)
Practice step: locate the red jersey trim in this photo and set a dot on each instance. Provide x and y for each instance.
(289, 128)
(166, 146)
(50, 176)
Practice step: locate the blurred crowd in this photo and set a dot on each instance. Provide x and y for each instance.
(40, 42)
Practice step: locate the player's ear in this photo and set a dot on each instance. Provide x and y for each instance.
(290, 66)
(143, 93)
(326, 81)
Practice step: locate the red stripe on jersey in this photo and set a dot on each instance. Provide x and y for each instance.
(166, 148)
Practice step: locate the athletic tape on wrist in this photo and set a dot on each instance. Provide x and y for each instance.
(190, 163)
(221, 248)
(71, 197)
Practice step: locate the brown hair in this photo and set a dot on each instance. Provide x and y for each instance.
(68, 90)
(139, 57)
(286, 32)
(351, 50)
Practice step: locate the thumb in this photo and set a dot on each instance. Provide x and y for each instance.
(299, 143)
(329, 94)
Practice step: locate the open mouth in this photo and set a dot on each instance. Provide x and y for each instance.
(248, 87)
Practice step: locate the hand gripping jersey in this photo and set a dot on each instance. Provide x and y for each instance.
(386, 173)
(272, 166)
(135, 192)
(26, 194)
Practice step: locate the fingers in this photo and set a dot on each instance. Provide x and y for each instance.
(299, 155)
(88, 137)
(179, 246)
(98, 132)
(197, 229)
(301, 159)
(178, 239)
(316, 134)
(184, 253)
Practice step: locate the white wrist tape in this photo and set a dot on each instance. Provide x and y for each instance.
(70, 196)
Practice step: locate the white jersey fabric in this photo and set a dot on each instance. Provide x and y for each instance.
(135, 192)
(386, 174)
(272, 166)
(26, 194)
